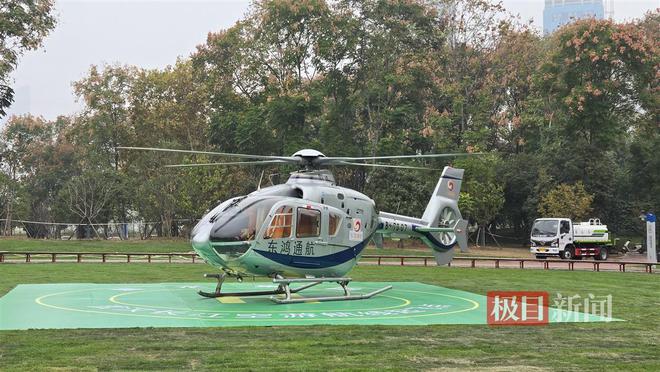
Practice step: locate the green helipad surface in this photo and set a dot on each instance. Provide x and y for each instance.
(84, 305)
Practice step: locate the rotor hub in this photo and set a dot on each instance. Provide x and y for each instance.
(309, 158)
(309, 153)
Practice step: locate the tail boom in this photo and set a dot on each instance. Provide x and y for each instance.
(397, 226)
(441, 227)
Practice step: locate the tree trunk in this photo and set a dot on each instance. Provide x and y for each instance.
(9, 202)
(482, 235)
(8, 230)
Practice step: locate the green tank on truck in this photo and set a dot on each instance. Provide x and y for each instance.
(561, 237)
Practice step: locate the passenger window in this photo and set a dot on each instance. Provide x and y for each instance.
(309, 223)
(564, 228)
(280, 226)
(333, 224)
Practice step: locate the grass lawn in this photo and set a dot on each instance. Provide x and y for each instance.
(629, 345)
(53, 245)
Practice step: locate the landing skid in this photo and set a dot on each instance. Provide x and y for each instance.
(221, 278)
(284, 288)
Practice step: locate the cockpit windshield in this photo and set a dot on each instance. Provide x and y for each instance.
(545, 228)
(241, 220)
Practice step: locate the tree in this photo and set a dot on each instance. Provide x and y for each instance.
(88, 195)
(167, 105)
(14, 201)
(567, 201)
(486, 200)
(31, 162)
(598, 82)
(485, 191)
(509, 81)
(23, 26)
(362, 78)
(106, 122)
(600, 74)
(643, 179)
(473, 80)
(522, 178)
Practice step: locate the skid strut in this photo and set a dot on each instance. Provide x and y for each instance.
(343, 282)
(284, 288)
(281, 289)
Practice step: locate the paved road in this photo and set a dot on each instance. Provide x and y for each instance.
(612, 264)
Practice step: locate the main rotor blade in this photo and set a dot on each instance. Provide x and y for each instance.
(402, 156)
(381, 165)
(245, 156)
(226, 163)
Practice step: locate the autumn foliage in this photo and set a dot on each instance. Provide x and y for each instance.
(363, 78)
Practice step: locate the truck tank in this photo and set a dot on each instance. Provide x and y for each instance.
(591, 232)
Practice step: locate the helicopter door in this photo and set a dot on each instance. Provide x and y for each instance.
(278, 234)
(308, 241)
(335, 239)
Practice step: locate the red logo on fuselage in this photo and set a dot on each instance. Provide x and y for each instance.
(450, 185)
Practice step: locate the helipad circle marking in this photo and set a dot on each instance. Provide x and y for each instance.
(113, 299)
(40, 301)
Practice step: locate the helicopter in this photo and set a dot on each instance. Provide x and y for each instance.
(310, 230)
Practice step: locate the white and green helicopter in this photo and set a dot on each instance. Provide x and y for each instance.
(309, 230)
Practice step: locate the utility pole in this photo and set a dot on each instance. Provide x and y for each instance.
(651, 253)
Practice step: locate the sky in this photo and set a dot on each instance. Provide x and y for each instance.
(153, 34)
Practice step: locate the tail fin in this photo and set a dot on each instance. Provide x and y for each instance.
(442, 212)
(448, 188)
(442, 226)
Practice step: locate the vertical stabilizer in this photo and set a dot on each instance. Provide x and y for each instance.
(446, 192)
(442, 212)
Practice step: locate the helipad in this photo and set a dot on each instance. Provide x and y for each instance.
(84, 305)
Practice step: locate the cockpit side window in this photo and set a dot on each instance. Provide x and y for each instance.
(333, 224)
(308, 223)
(280, 225)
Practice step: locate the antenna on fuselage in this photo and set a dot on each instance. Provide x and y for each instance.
(260, 178)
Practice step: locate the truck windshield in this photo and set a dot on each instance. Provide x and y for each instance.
(545, 228)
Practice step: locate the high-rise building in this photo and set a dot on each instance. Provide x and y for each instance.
(560, 12)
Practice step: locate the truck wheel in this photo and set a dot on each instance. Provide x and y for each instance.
(602, 255)
(567, 254)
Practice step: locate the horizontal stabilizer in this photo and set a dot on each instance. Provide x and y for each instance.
(434, 229)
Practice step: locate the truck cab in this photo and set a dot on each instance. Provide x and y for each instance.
(550, 236)
(561, 237)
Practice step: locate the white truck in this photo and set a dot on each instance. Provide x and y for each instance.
(561, 237)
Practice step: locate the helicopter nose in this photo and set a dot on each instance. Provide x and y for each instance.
(200, 240)
(201, 243)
